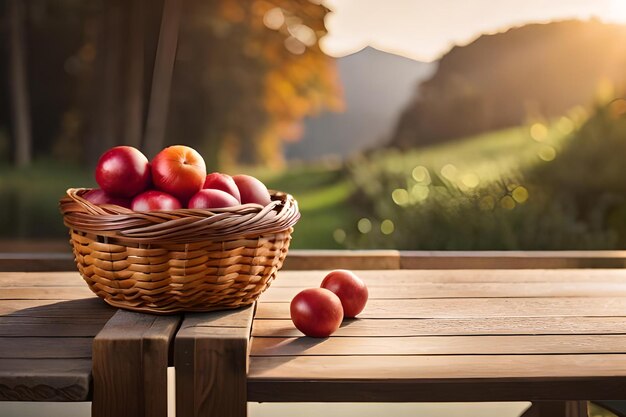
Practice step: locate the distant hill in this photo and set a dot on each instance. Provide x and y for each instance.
(500, 80)
(377, 86)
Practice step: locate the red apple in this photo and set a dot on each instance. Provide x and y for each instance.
(155, 200)
(252, 190)
(316, 312)
(123, 171)
(99, 197)
(180, 171)
(350, 289)
(209, 198)
(224, 182)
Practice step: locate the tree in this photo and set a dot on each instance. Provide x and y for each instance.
(20, 100)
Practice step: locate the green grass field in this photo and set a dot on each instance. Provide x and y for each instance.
(323, 190)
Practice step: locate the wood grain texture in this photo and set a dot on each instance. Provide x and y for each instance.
(130, 360)
(45, 348)
(41, 279)
(45, 379)
(453, 327)
(503, 367)
(334, 259)
(438, 345)
(472, 290)
(45, 293)
(303, 279)
(91, 307)
(211, 359)
(474, 308)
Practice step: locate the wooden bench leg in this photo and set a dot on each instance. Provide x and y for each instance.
(557, 409)
(211, 361)
(130, 359)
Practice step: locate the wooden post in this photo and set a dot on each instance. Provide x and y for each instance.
(211, 359)
(130, 359)
(18, 85)
(162, 78)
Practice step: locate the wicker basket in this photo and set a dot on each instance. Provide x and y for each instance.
(183, 260)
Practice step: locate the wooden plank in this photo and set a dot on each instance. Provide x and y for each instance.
(93, 307)
(473, 308)
(29, 261)
(130, 360)
(503, 367)
(44, 379)
(452, 327)
(438, 390)
(511, 259)
(45, 293)
(472, 290)
(56, 259)
(305, 279)
(42, 348)
(438, 345)
(44, 279)
(241, 317)
(211, 359)
(52, 329)
(347, 259)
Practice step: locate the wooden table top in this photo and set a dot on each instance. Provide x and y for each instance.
(425, 335)
(59, 342)
(455, 335)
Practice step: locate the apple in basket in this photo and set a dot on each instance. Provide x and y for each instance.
(222, 182)
(99, 197)
(155, 200)
(179, 171)
(252, 190)
(176, 178)
(123, 171)
(209, 198)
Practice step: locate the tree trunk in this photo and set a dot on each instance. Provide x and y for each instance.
(20, 101)
(162, 78)
(133, 128)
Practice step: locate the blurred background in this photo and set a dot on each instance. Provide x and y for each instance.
(408, 124)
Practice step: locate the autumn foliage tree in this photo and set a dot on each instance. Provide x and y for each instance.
(246, 74)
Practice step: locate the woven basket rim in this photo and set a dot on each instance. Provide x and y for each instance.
(178, 226)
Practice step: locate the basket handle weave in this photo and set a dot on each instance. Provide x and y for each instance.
(178, 226)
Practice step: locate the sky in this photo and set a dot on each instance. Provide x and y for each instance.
(426, 29)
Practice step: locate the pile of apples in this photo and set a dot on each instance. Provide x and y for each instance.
(176, 178)
(318, 312)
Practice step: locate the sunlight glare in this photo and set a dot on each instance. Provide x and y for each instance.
(618, 11)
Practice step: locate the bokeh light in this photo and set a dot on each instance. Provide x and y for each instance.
(274, 18)
(400, 196)
(547, 153)
(421, 174)
(470, 180)
(507, 202)
(520, 194)
(449, 172)
(387, 227)
(539, 132)
(419, 192)
(339, 235)
(364, 225)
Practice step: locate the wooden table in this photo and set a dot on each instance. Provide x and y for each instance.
(553, 337)
(59, 342)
